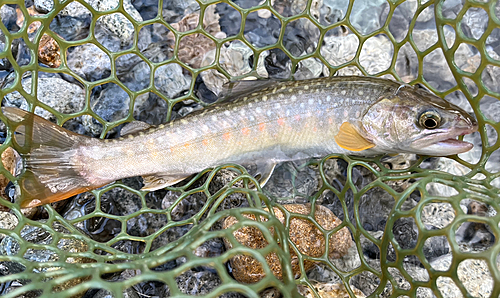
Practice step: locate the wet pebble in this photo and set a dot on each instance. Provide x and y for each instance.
(72, 22)
(308, 239)
(49, 51)
(170, 80)
(8, 16)
(89, 62)
(174, 10)
(10, 159)
(44, 6)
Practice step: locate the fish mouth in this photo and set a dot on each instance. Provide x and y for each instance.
(445, 143)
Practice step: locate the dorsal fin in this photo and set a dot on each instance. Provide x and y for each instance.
(133, 127)
(237, 89)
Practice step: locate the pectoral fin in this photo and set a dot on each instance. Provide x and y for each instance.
(262, 170)
(155, 182)
(133, 127)
(350, 139)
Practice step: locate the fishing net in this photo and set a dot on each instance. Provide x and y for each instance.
(420, 227)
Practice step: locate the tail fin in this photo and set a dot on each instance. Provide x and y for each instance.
(51, 172)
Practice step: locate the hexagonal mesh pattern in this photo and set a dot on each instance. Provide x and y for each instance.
(121, 241)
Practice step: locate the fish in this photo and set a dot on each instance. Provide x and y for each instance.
(258, 127)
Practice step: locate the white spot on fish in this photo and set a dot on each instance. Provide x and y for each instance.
(161, 126)
(328, 85)
(251, 118)
(214, 118)
(205, 128)
(287, 113)
(242, 112)
(277, 105)
(258, 110)
(343, 92)
(294, 98)
(184, 121)
(250, 105)
(274, 90)
(235, 109)
(306, 87)
(283, 87)
(328, 98)
(269, 113)
(227, 113)
(300, 91)
(245, 98)
(319, 101)
(264, 98)
(360, 92)
(302, 105)
(311, 101)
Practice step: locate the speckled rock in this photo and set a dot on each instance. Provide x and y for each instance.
(235, 59)
(57, 93)
(116, 23)
(194, 48)
(308, 239)
(9, 161)
(8, 221)
(476, 277)
(328, 290)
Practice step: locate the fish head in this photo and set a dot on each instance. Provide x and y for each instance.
(413, 120)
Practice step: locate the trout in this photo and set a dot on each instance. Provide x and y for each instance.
(282, 121)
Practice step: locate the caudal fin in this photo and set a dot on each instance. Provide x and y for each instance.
(51, 171)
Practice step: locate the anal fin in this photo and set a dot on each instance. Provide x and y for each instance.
(159, 181)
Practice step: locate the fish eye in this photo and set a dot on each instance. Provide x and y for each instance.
(430, 120)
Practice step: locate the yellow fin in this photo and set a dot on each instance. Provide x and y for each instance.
(350, 139)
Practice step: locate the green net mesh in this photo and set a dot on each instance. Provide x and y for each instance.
(121, 241)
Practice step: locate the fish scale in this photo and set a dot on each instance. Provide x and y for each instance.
(282, 121)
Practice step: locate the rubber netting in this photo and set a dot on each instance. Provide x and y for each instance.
(52, 254)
